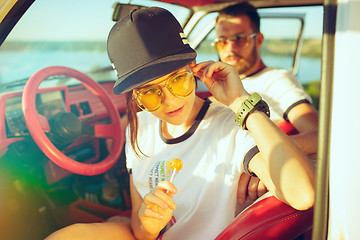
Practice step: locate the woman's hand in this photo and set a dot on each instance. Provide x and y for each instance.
(157, 208)
(222, 80)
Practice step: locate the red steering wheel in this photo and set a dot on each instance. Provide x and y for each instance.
(112, 130)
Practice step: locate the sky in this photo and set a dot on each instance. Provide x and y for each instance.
(40, 20)
(55, 20)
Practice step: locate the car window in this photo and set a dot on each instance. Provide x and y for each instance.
(279, 47)
(309, 66)
(310, 60)
(57, 33)
(62, 33)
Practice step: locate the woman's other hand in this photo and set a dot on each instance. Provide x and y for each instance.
(157, 207)
(222, 80)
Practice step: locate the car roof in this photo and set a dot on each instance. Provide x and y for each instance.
(12, 10)
(256, 3)
(10, 13)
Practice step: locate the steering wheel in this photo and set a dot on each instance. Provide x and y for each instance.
(32, 121)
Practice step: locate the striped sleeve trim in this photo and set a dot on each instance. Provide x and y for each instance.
(249, 155)
(285, 116)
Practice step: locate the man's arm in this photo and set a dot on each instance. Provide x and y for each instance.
(305, 119)
(251, 187)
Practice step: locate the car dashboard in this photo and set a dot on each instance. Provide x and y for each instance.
(78, 100)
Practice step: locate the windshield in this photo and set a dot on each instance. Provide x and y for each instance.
(62, 33)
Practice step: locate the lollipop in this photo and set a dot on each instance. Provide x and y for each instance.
(176, 165)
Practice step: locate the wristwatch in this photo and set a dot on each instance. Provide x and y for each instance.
(254, 102)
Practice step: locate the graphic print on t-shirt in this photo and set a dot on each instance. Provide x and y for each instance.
(160, 172)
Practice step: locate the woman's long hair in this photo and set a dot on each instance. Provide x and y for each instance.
(132, 110)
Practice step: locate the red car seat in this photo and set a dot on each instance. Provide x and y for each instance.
(268, 218)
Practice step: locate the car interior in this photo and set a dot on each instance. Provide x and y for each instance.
(62, 130)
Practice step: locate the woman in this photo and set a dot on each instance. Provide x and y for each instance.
(154, 64)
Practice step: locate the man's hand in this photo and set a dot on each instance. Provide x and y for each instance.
(250, 186)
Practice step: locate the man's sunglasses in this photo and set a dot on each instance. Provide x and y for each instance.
(239, 39)
(180, 85)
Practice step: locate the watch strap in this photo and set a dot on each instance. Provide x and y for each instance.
(254, 102)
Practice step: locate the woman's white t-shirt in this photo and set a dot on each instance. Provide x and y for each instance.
(212, 152)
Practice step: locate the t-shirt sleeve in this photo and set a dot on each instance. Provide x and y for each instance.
(293, 93)
(284, 92)
(249, 155)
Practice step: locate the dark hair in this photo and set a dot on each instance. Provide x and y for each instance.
(132, 110)
(243, 8)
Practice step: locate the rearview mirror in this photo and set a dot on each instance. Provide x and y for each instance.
(121, 10)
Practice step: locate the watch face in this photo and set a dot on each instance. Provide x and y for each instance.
(263, 107)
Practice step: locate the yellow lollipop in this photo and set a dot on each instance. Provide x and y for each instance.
(176, 165)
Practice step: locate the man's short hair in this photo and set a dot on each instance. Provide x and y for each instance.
(243, 8)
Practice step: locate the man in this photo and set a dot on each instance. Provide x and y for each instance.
(238, 43)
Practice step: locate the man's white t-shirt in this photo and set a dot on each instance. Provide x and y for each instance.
(212, 153)
(280, 89)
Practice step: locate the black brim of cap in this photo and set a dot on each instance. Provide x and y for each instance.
(153, 70)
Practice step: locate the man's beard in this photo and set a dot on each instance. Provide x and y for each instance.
(244, 64)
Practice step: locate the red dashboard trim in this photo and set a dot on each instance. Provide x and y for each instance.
(73, 95)
(4, 140)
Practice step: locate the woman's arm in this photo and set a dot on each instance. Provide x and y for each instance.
(281, 165)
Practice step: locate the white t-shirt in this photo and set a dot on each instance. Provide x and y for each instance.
(279, 88)
(207, 184)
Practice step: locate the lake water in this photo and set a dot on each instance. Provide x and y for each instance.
(309, 68)
(18, 65)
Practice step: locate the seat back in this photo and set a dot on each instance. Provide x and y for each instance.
(268, 218)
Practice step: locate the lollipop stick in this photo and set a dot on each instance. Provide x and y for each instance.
(173, 175)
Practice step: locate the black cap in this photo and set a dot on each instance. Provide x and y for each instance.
(145, 45)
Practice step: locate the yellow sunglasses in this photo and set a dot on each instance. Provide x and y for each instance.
(180, 85)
